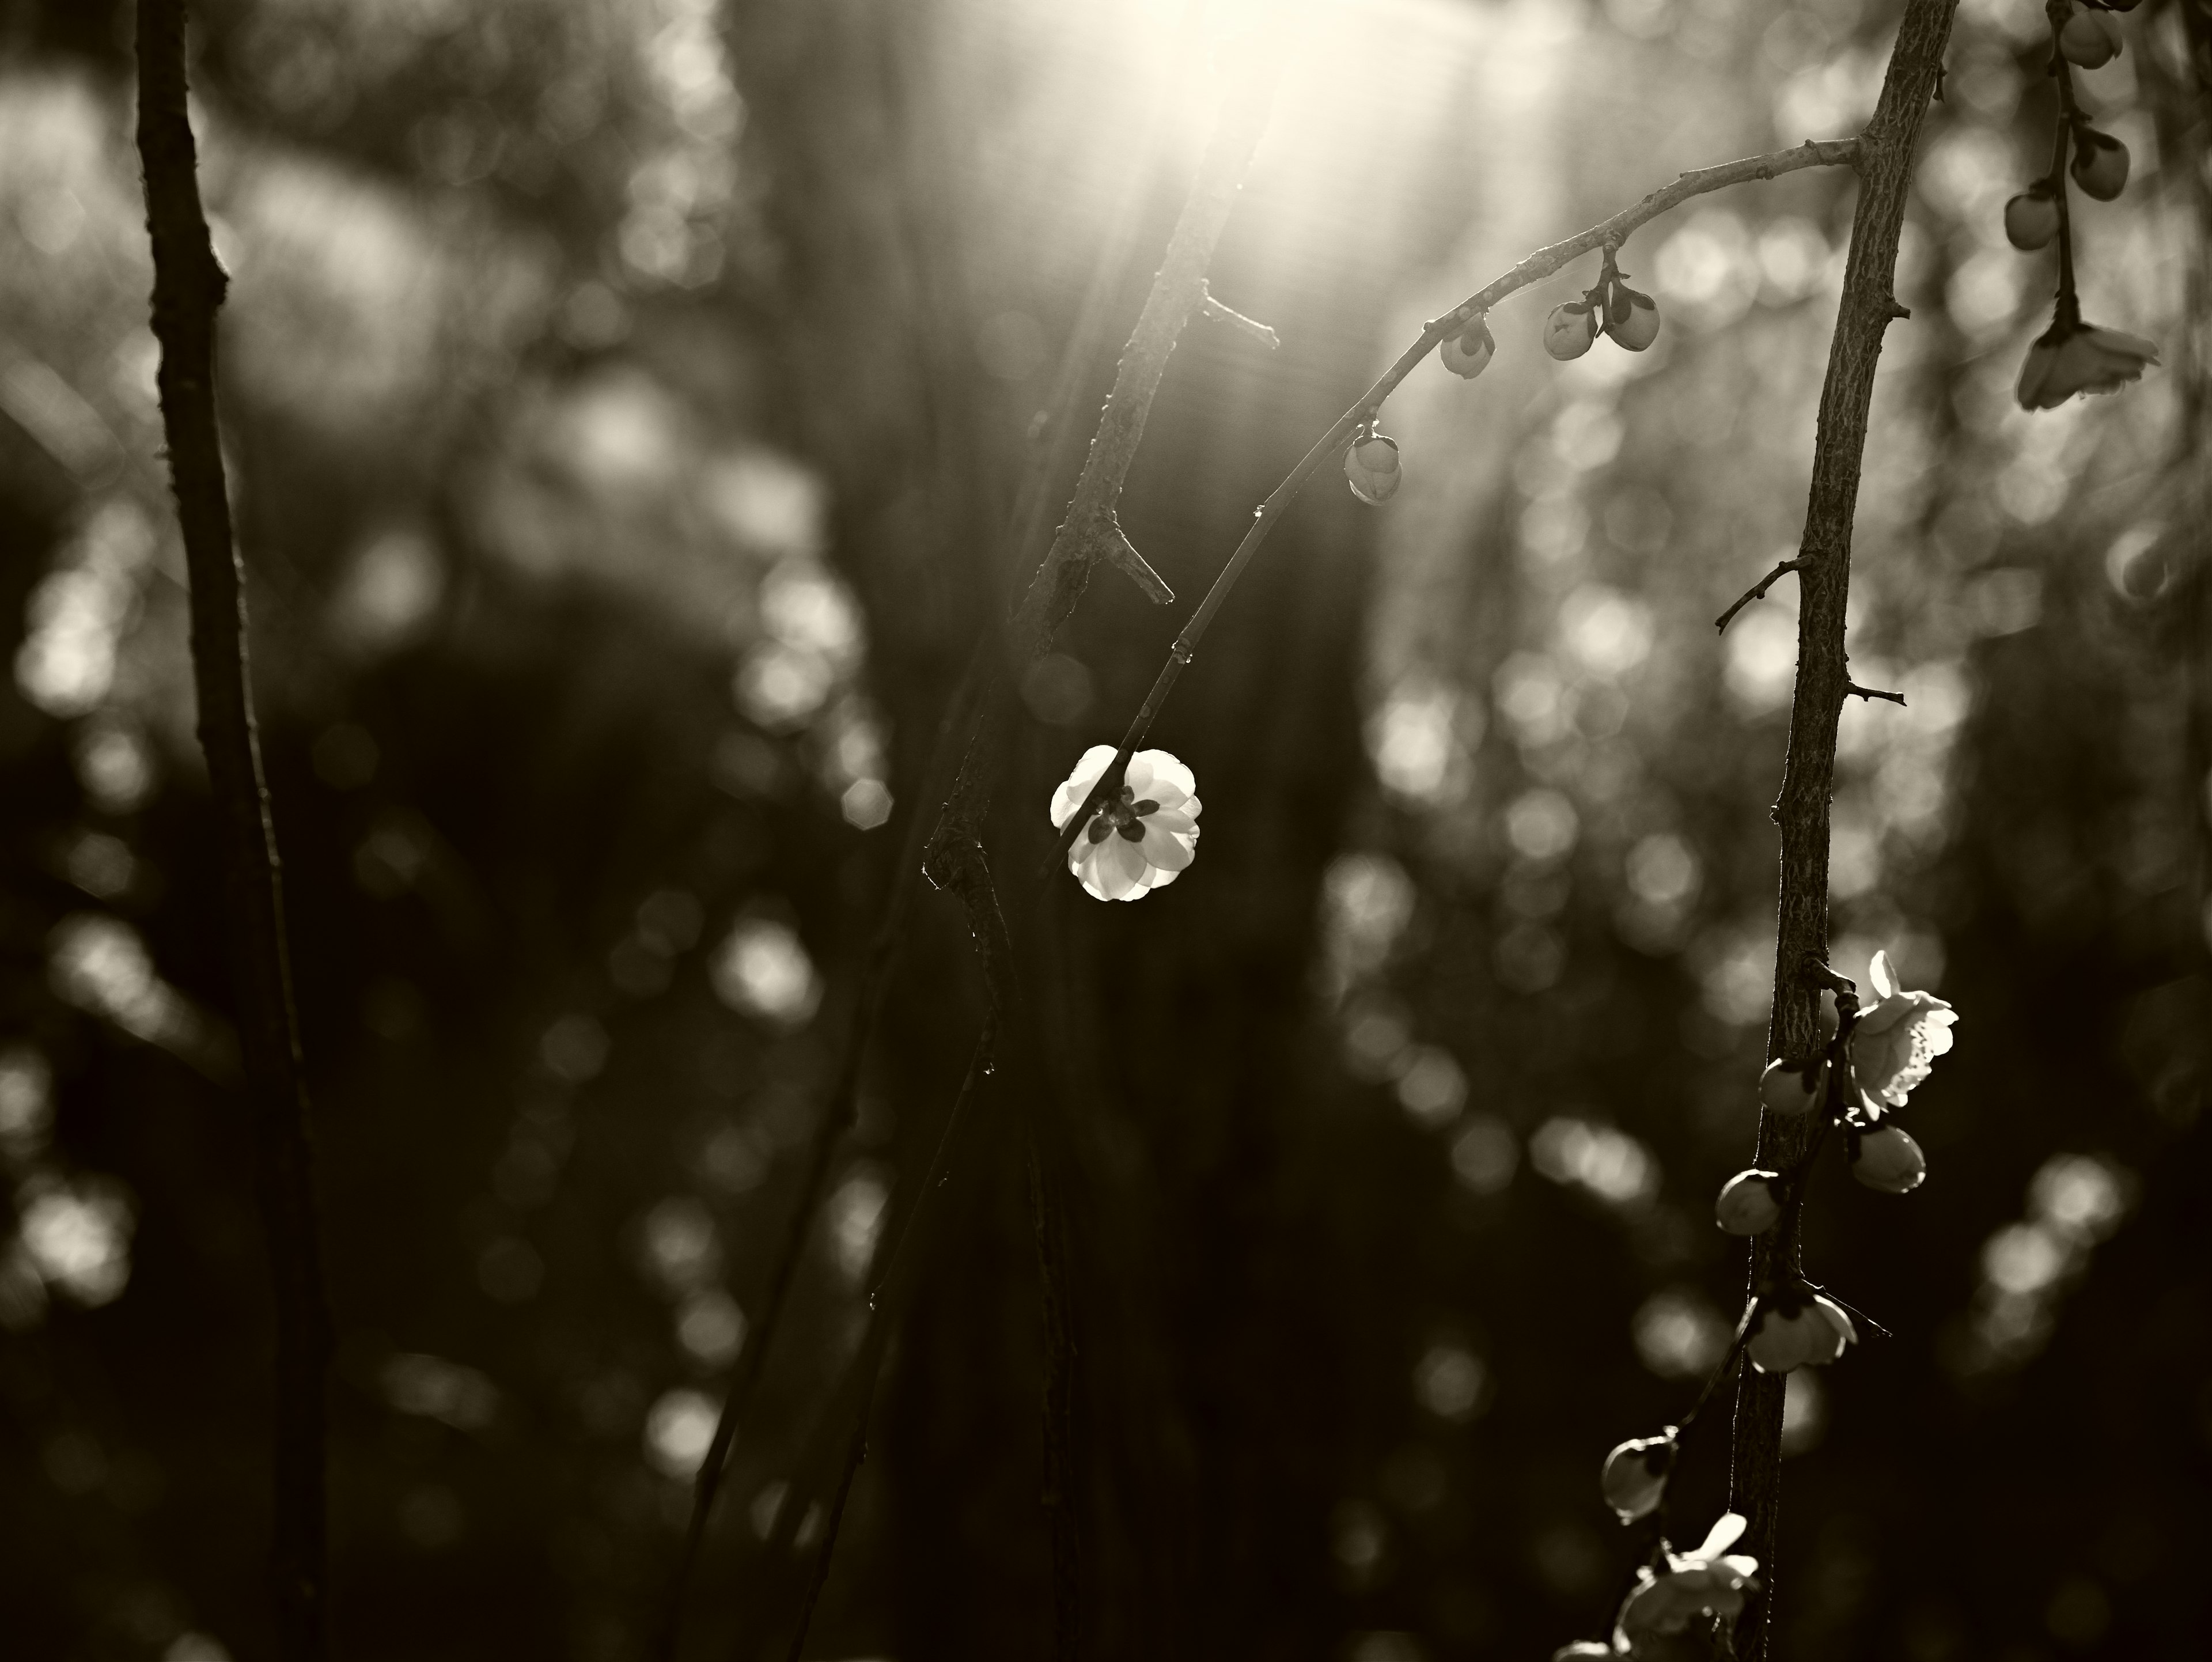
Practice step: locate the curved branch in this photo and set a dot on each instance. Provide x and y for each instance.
(1608, 233)
(188, 289)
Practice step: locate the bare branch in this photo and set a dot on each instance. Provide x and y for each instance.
(1215, 312)
(1609, 232)
(188, 290)
(1757, 591)
(1853, 689)
(1884, 162)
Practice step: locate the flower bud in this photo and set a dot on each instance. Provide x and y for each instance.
(1887, 1159)
(1584, 1649)
(1794, 1327)
(1632, 318)
(2100, 165)
(2091, 39)
(1635, 1476)
(1748, 1204)
(1469, 353)
(2031, 219)
(1569, 329)
(1371, 465)
(1789, 1088)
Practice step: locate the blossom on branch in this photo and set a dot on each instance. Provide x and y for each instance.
(1899, 1037)
(1371, 465)
(2073, 356)
(1143, 836)
(1796, 1326)
(1709, 1581)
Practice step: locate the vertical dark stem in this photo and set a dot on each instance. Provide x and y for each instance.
(188, 289)
(1885, 168)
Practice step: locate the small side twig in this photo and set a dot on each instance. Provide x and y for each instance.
(1758, 591)
(188, 290)
(1214, 311)
(1853, 689)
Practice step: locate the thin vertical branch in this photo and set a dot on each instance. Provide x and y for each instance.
(1870, 304)
(188, 290)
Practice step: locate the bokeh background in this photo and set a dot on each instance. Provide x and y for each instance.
(627, 404)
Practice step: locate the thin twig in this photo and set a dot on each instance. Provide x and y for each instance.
(1606, 234)
(1757, 591)
(1853, 689)
(188, 289)
(1884, 162)
(890, 1286)
(1214, 312)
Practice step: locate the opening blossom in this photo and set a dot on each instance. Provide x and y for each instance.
(1142, 837)
(1898, 1036)
(1795, 1326)
(1710, 1581)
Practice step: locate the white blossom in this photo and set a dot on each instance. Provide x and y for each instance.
(1899, 1037)
(1709, 1581)
(1143, 836)
(1794, 1327)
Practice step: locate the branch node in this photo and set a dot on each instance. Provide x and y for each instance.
(1210, 308)
(1122, 553)
(1898, 309)
(1758, 590)
(1852, 689)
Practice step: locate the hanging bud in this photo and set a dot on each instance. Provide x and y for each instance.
(1887, 1159)
(2091, 39)
(1631, 318)
(2031, 219)
(1792, 1087)
(1749, 1204)
(1569, 329)
(1371, 465)
(1635, 1476)
(1796, 1326)
(1469, 353)
(2101, 163)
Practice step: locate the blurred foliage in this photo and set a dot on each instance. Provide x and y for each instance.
(628, 404)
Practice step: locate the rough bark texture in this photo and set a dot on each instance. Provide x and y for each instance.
(188, 289)
(1886, 150)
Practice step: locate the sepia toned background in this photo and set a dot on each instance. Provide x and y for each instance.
(627, 404)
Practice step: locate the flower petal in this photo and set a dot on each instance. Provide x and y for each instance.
(1883, 977)
(1161, 771)
(1121, 868)
(1723, 1535)
(1165, 850)
(1077, 786)
(1169, 820)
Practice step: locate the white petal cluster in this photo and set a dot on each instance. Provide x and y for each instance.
(1710, 1581)
(1143, 837)
(1797, 1327)
(1899, 1037)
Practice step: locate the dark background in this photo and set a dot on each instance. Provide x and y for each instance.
(627, 401)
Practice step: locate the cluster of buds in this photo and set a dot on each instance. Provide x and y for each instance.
(2072, 357)
(1627, 316)
(1371, 465)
